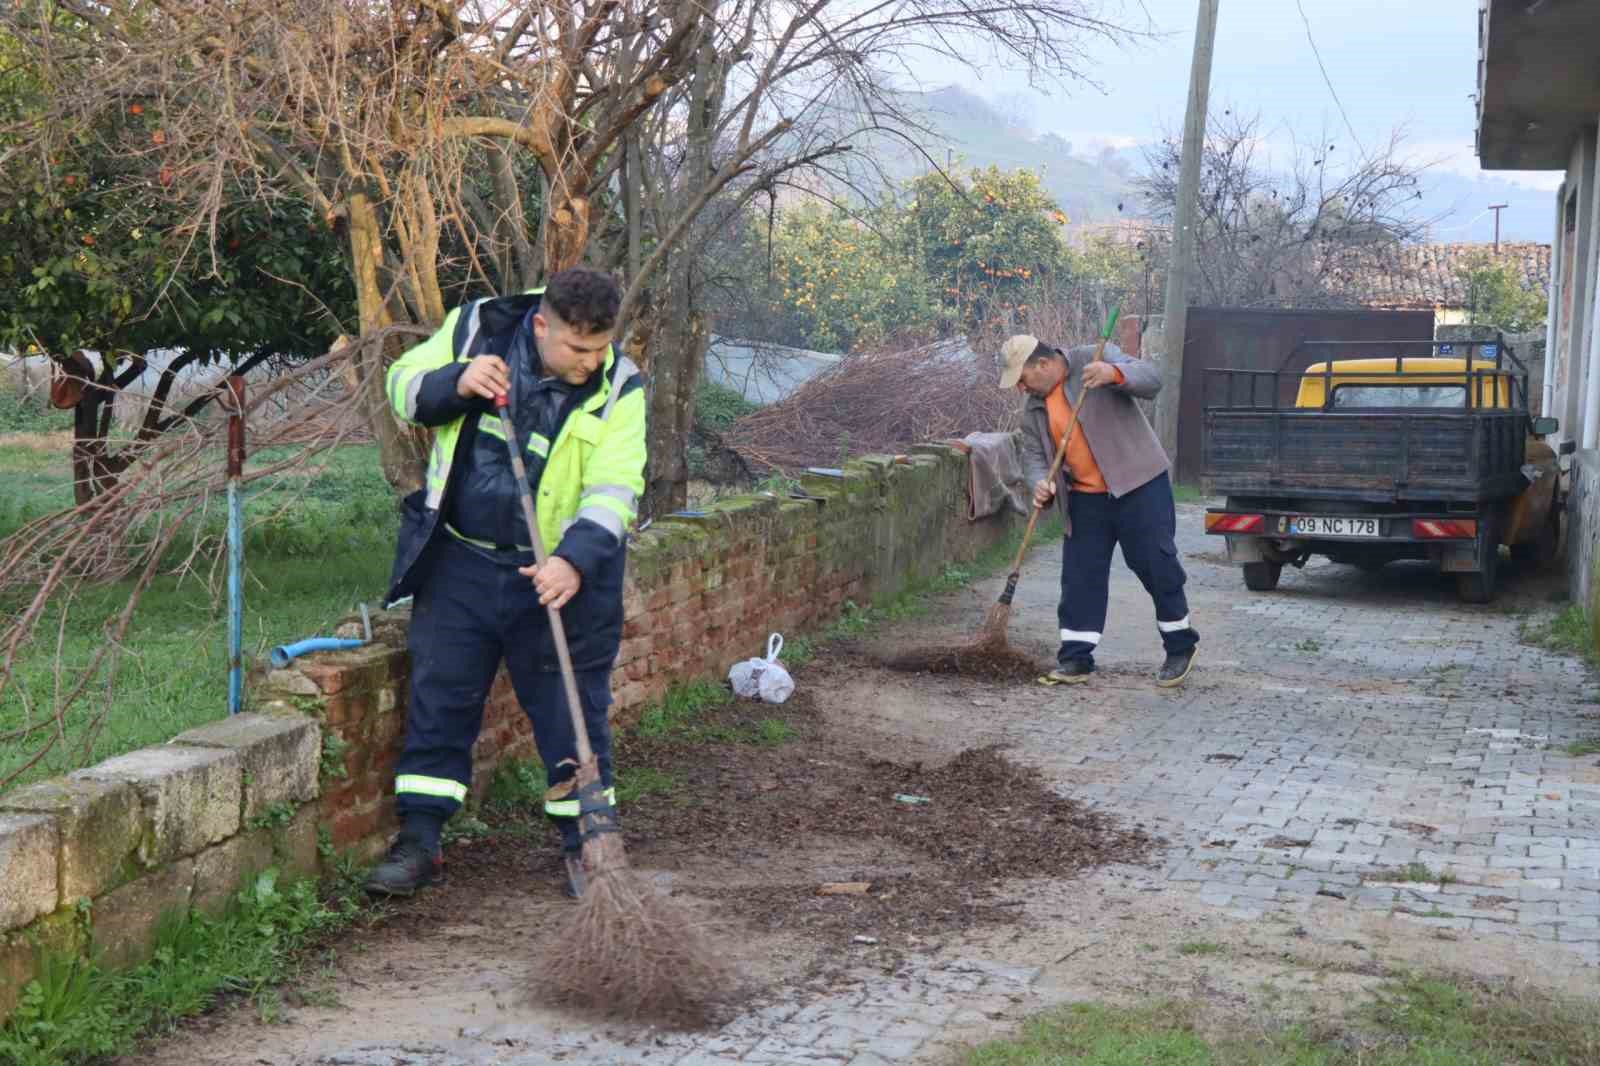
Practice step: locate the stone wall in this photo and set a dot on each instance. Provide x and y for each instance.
(1583, 533)
(90, 862)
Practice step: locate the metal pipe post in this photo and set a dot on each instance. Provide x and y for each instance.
(235, 544)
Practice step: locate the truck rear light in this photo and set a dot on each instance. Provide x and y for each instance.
(1234, 523)
(1444, 528)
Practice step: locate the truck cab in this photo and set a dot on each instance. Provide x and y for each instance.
(1380, 452)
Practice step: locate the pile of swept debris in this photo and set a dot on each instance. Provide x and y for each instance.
(876, 402)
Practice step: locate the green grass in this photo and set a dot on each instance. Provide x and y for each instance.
(681, 714)
(36, 417)
(323, 542)
(1588, 746)
(1187, 494)
(678, 713)
(1568, 632)
(636, 782)
(1414, 1021)
(75, 1012)
(1201, 948)
(517, 786)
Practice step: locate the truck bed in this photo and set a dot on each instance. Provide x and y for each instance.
(1365, 455)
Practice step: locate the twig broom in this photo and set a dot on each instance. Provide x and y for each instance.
(993, 634)
(628, 949)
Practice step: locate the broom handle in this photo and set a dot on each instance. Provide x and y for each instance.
(1061, 451)
(502, 405)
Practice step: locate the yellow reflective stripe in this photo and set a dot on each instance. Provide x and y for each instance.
(491, 426)
(456, 533)
(569, 808)
(539, 445)
(420, 785)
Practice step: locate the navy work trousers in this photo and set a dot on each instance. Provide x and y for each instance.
(473, 610)
(1143, 523)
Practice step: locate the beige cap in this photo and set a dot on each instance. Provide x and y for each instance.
(1014, 353)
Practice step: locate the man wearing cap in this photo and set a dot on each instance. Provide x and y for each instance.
(1112, 489)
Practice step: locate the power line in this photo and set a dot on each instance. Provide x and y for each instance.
(1327, 80)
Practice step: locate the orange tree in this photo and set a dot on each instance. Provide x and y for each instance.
(841, 283)
(986, 239)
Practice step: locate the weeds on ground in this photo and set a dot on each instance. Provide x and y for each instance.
(1201, 948)
(635, 783)
(1586, 746)
(1413, 1021)
(518, 785)
(1567, 632)
(1418, 873)
(681, 715)
(76, 1012)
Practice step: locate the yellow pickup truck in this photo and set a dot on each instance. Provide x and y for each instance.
(1371, 458)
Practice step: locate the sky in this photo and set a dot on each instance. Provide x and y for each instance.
(1406, 64)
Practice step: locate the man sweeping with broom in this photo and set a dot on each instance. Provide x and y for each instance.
(464, 554)
(1112, 489)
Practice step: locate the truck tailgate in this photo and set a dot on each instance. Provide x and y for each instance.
(1457, 455)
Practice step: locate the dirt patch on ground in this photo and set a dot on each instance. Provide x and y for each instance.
(984, 663)
(933, 841)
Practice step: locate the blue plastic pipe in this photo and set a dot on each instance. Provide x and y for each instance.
(284, 654)
(235, 546)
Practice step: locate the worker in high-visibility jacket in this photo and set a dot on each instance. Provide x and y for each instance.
(579, 413)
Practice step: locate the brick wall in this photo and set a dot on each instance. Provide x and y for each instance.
(184, 823)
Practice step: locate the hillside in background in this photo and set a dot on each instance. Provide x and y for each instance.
(1090, 185)
(977, 134)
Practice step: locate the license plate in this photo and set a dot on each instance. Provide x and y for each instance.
(1314, 526)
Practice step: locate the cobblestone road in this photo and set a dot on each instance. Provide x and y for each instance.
(1343, 726)
(1336, 733)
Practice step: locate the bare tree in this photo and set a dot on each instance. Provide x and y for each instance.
(784, 95)
(410, 124)
(1291, 236)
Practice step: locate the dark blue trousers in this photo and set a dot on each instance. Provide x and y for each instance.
(1143, 523)
(473, 610)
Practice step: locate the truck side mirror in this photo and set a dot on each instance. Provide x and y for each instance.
(1543, 427)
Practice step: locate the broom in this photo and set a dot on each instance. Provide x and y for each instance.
(993, 633)
(628, 949)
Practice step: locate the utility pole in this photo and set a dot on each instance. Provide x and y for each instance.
(1497, 208)
(1176, 320)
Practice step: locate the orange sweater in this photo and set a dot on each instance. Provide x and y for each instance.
(1082, 470)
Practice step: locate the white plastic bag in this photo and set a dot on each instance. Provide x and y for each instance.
(764, 679)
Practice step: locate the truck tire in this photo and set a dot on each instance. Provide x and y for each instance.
(1479, 587)
(1262, 577)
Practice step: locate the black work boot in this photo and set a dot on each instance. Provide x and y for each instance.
(1175, 671)
(1069, 672)
(577, 877)
(408, 866)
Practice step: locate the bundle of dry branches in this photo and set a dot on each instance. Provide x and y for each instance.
(162, 516)
(880, 402)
